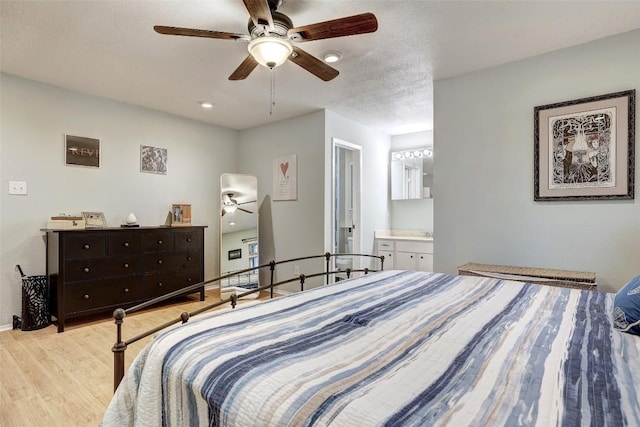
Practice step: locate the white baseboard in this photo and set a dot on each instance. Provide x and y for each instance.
(8, 327)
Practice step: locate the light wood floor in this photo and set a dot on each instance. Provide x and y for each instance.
(66, 379)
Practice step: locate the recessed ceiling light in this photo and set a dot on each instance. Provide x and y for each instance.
(205, 104)
(332, 56)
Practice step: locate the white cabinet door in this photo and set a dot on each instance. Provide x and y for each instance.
(425, 262)
(405, 261)
(388, 259)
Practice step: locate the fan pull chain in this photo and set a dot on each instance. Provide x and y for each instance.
(272, 101)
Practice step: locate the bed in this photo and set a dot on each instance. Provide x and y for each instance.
(393, 348)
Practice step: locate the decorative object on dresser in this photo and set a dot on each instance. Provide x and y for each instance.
(180, 215)
(94, 219)
(65, 222)
(131, 221)
(95, 271)
(544, 276)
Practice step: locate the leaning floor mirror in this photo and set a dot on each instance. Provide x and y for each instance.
(238, 234)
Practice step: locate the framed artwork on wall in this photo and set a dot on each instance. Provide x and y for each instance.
(153, 159)
(584, 149)
(81, 151)
(235, 254)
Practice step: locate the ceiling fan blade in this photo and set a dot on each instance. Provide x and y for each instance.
(243, 71)
(349, 26)
(244, 210)
(313, 65)
(223, 212)
(177, 31)
(260, 12)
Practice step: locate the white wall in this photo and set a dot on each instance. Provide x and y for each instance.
(412, 214)
(483, 137)
(375, 173)
(35, 118)
(292, 228)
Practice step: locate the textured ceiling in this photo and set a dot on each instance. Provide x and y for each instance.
(109, 49)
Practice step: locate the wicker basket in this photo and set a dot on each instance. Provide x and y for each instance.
(543, 276)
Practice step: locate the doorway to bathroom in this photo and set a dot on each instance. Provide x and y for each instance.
(346, 216)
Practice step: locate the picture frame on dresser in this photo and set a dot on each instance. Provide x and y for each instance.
(584, 148)
(94, 219)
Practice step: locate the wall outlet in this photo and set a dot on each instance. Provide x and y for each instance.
(296, 270)
(18, 187)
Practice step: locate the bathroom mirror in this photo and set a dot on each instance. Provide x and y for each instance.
(238, 232)
(411, 173)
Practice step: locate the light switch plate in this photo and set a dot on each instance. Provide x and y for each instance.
(18, 187)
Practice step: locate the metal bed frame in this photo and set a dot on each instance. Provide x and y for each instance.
(119, 314)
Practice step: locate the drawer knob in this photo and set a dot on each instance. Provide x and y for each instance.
(188, 239)
(125, 244)
(189, 280)
(86, 269)
(126, 290)
(159, 242)
(189, 258)
(159, 284)
(85, 296)
(126, 265)
(411, 256)
(86, 246)
(159, 261)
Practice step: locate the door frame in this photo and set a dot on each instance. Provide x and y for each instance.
(357, 215)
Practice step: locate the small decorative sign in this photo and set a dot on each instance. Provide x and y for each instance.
(81, 151)
(153, 159)
(285, 178)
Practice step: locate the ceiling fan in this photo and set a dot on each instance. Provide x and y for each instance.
(271, 34)
(230, 205)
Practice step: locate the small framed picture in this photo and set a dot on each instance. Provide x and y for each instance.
(235, 254)
(94, 219)
(180, 214)
(81, 151)
(153, 159)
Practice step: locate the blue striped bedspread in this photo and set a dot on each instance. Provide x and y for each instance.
(395, 348)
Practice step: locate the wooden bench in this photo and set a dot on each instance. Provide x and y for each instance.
(543, 276)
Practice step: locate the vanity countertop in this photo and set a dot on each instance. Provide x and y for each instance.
(409, 235)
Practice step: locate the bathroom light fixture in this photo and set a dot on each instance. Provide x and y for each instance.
(416, 153)
(270, 51)
(205, 104)
(332, 56)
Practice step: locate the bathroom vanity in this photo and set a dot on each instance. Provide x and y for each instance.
(405, 249)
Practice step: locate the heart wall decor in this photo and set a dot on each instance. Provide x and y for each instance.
(285, 178)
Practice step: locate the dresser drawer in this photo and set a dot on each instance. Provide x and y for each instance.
(157, 262)
(163, 283)
(157, 241)
(84, 246)
(125, 244)
(87, 296)
(185, 240)
(95, 268)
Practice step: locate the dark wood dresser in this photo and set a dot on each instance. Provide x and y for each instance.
(98, 270)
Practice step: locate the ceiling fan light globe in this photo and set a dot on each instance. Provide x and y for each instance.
(230, 208)
(270, 51)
